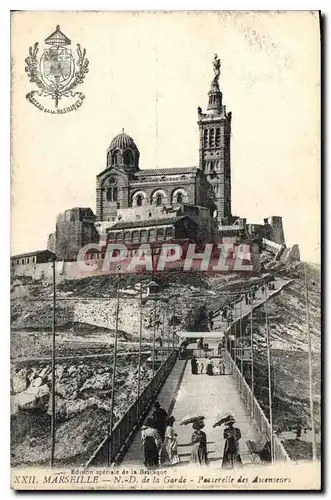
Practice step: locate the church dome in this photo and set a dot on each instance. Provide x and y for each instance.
(123, 152)
(122, 141)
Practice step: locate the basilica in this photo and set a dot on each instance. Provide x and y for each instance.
(135, 205)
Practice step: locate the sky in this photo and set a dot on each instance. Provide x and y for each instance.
(148, 73)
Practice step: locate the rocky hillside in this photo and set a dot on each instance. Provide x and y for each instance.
(85, 323)
(289, 351)
(85, 318)
(83, 395)
(92, 301)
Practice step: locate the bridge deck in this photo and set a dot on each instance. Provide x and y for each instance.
(167, 395)
(211, 396)
(214, 397)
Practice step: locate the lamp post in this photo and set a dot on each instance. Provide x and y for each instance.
(111, 421)
(269, 373)
(163, 332)
(140, 337)
(154, 333)
(235, 338)
(53, 414)
(168, 328)
(310, 368)
(241, 341)
(252, 353)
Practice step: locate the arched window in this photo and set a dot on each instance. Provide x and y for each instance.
(152, 235)
(135, 236)
(139, 200)
(115, 159)
(160, 234)
(111, 193)
(158, 200)
(169, 233)
(143, 235)
(179, 198)
(128, 157)
(211, 138)
(205, 138)
(218, 137)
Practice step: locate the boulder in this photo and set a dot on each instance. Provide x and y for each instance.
(31, 398)
(59, 371)
(71, 370)
(20, 381)
(37, 382)
(97, 382)
(66, 409)
(67, 388)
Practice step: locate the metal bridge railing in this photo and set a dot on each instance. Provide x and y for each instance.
(124, 430)
(261, 421)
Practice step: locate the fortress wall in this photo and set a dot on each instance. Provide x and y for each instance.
(44, 270)
(276, 231)
(271, 246)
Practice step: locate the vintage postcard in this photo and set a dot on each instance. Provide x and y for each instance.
(165, 250)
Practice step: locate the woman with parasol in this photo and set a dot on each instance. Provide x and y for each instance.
(199, 440)
(231, 456)
(152, 443)
(199, 444)
(170, 441)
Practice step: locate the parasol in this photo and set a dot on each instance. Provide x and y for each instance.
(224, 420)
(191, 418)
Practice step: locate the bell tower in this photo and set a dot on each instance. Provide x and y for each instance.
(214, 147)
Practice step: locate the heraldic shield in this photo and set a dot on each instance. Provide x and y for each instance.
(57, 73)
(57, 66)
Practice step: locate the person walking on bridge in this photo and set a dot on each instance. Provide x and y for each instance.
(210, 367)
(194, 365)
(199, 444)
(170, 441)
(160, 416)
(152, 443)
(231, 456)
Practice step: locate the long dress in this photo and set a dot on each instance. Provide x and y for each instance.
(152, 446)
(199, 448)
(194, 366)
(210, 369)
(170, 444)
(231, 456)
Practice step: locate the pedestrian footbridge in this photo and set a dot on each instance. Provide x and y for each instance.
(182, 393)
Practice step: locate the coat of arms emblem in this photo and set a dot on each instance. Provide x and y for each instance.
(57, 74)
